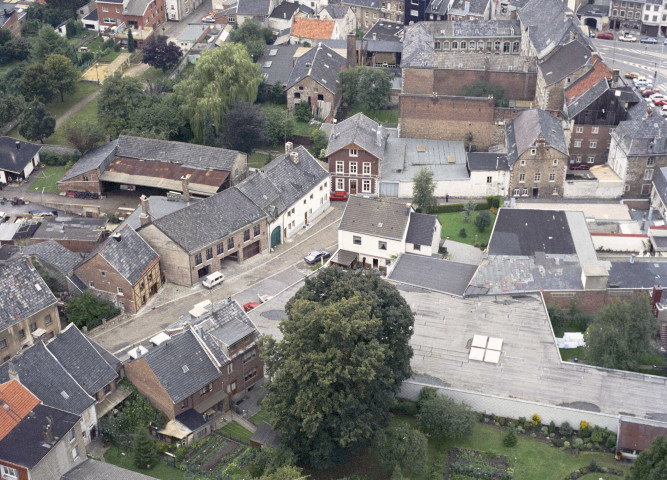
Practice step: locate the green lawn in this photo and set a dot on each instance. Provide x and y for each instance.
(161, 470)
(452, 223)
(111, 56)
(153, 74)
(236, 431)
(86, 114)
(96, 44)
(57, 108)
(533, 459)
(568, 354)
(388, 116)
(261, 416)
(47, 177)
(258, 160)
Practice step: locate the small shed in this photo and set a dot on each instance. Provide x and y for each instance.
(265, 436)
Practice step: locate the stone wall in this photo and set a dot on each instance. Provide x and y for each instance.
(543, 163)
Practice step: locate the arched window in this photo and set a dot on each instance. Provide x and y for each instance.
(463, 45)
(437, 45)
(515, 47)
(497, 45)
(445, 45)
(506, 47)
(455, 45)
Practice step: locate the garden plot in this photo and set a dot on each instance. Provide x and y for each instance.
(211, 456)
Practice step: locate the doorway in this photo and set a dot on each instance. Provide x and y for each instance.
(376, 263)
(305, 217)
(535, 192)
(353, 186)
(203, 271)
(275, 237)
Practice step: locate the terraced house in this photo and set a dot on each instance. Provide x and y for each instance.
(142, 15)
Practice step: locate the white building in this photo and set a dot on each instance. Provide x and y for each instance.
(177, 10)
(342, 15)
(654, 18)
(18, 159)
(373, 232)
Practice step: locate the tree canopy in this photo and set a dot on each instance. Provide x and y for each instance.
(423, 187)
(49, 42)
(221, 77)
(63, 74)
(651, 464)
(37, 84)
(119, 98)
(343, 356)
(253, 36)
(280, 125)
(11, 107)
(370, 87)
(621, 334)
(83, 136)
(480, 88)
(244, 127)
(88, 310)
(441, 417)
(13, 48)
(401, 447)
(160, 54)
(36, 123)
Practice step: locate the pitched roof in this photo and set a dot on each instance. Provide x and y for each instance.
(82, 360)
(127, 253)
(24, 292)
(576, 105)
(433, 273)
(385, 31)
(158, 206)
(421, 229)
(181, 365)
(361, 3)
(71, 228)
(136, 8)
(312, 28)
(642, 134)
(337, 11)
(265, 435)
(281, 182)
(474, 28)
(372, 216)
(360, 131)
(212, 218)
(320, 63)
(436, 7)
(258, 8)
(468, 7)
(41, 373)
(277, 63)
(530, 125)
(53, 253)
(17, 402)
(565, 61)
(94, 469)
(13, 159)
(418, 46)
(660, 184)
(487, 161)
(285, 10)
(99, 157)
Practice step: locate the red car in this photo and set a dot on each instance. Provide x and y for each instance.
(606, 35)
(650, 91)
(660, 101)
(250, 306)
(580, 166)
(338, 196)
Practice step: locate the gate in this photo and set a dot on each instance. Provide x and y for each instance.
(389, 189)
(275, 237)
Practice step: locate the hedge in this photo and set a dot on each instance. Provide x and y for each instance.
(56, 159)
(491, 201)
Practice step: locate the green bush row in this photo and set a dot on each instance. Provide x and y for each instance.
(491, 201)
(56, 159)
(482, 473)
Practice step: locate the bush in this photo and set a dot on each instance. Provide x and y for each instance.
(109, 43)
(522, 421)
(442, 417)
(302, 112)
(483, 220)
(56, 159)
(462, 233)
(558, 442)
(585, 429)
(597, 435)
(577, 442)
(520, 429)
(510, 439)
(494, 201)
(404, 407)
(401, 447)
(565, 429)
(545, 430)
(552, 427)
(426, 394)
(611, 441)
(145, 451)
(535, 420)
(88, 310)
(566, 444)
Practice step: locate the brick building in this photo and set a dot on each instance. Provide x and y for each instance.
(314, 80)
(312, 30)
(134, 14)
(77, 234)
(355, 152)
(11, 18)
(537, 155)
(124, 269)
(625, 14)
(28, 309)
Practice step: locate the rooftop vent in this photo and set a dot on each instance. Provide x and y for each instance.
(185, 369)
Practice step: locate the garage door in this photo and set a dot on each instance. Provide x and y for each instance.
(275, 237)
(389, 189)
(251, 250)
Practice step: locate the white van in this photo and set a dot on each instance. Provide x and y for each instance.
(213, 279)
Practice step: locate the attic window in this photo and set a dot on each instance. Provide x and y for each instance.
(38, 287)
(273, 52)
(185, 369)
(64, 395)
(421, 148)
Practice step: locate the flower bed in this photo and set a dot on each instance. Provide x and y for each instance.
(466, 464)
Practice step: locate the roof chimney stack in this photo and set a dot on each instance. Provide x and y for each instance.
(294, 156)
(145, 216)
(13, 374)
(378, 136)
(615, 75)
(351, 50)
(185, 186)
(18, 145)
(47, 431)
(289, 146)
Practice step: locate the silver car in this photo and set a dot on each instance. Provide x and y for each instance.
(316, 255)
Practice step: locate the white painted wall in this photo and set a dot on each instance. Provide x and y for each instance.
(463, 188)
(369, 247)
(592, 189)
(29, 167)
(3, 179)
(314, 207)
(480, 187)
(620, 242)
(88, 421)
(424, 249)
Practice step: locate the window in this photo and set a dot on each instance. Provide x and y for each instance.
(220, 249)
(117, 10)
(522, 163)
(591, 159)
(231, 388)
(103, 273)
(256, 229)
(340, 184)
(533, 151)
(33, 326)
(555, 162)
(85, 178)
(538, 176)
(366, 186)
(230, 243)
(650, 162)
(506, 47)
(445, 45)
(71, 436)
(209, 253)
(382, 245)
(91, 284)
(206, 389)
(593, 144)
(522, 177)
(489, 179)
(246, 235)
(524, 192)
(595, 130)
(230, 368)
(9, 472)
(488, 45)
(356, 240)
(580, 130)
(437, 45)
(577, 144)
(107, 388)
(75, 452)
(638, 15)
(249, 355)
(463, 45)
(497, 45)
(198, 259)
(119, 290)
(515, 47)
(455, 45)
(340, 167)
(552, 177)
(250, 374)
(648, 174)
(555, 191)
(471, 45)
(353, 152)
(516, 192)
(367, 168)
(22, 333)
(297, 95)
(105, 9)
(353, 168)
(47, 320)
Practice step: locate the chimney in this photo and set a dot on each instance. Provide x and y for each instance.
(540, 142)
(13, 374)
(294, 156)
(351, 50)
(649, 111)
(378, 136)
(615, 74)
(18, 145)
(375, 36)
(288, 147)
(185, 182)
(568, 15)
(594, 57)
(145, 216)
(466, 7)
(47, 431)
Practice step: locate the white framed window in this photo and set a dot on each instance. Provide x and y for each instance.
(366, 186)
(555, 191)
(552, 177)
(340, 184)
(353, 152)
(516, 192)
(356, 240)
(353, 168)
(230, 368)
(555, 162)
(119, 290)
(577, 144)
(593, 144)
(538, 176)
(9, 472)
(595, 130)
(627, 188)
(580, 130)
(522, 163)
(71, 436)
(533, 151)
(591, 159)
(367, 168)
(522, 177)
(75, 453)
(648, 174)
(524, 192)
(650, 161)
(105, 9)
(91, 284)
(382, 245)
(340, 167)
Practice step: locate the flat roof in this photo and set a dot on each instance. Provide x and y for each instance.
(435, 274)
(405, 157)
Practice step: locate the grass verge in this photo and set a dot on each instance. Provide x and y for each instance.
(236, 431)
(87, 114)
(452, 223)
(57, 108)
(47, 177)
(115, 456)
(261, 416)
(388, 116)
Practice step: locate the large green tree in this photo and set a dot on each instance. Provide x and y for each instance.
(244, 127)
(369, 86)
(145, 450)
(402, 447)
(253, 36)
(221, 77)
(11, 107)
(13, 48)
(280, 125)
(48, 42)
(621, 334)
(88, 310)
(63, 73)
(651, 464)
(423, 187)
(37, 84)
(343, 356)
(36, 123)
(120, 97)
(83, 135)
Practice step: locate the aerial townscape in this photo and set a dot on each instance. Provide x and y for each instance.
(333, 239)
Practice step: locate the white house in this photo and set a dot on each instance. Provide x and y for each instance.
(489, 174)
(293, 189)
(373, 232)
(18, 159)
(179, 9)
(342, 15)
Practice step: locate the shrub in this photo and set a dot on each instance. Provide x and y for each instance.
(56, 159)
(585, 429)
(404, 407)
(401, 447)
(566, 444)
(302, 112)
(510, 439)
(88, 310)
(577, 441)
(545, 430)
(482, 220)
(522, 421)
(558, 442)
(535, 420)
(533, 435)
(442, 417)
(493, 201)
(426, 394)
(597, 435)
(501, 421)
(552, 427)
(145, 451)
(611, 441)
(520, 429)
(462, 233)
(565, 429)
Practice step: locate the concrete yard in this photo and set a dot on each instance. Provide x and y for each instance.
(599, 211)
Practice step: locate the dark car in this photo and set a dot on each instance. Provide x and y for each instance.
(250, 306)
(580, 166)
(316, 255)
(650, 40)
(606, 36)
(338, 196)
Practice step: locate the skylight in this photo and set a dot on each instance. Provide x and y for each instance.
(185, 369)
(64, 395)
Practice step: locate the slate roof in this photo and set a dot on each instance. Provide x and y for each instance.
(642, 134)
(432, 273)
(158, 206)
(53, 253)
(254, 7)
(372, 216)
(312, 28)
(474, 28)
(421, 229)
(361, 3)
(337, 11)
(579, 104)
(320, 63)
(212, 218)
(637, 275)
(565, 61)
(14, 159)
(82, 360)
(18, 402)
(530, 125)
(99, 157)
(191, 419)
(475, 7)
(526, 232)
(136, 8)
(587, 88)
(281, 182)
(285, 10)
(41, 373)
(386, 31)
(436, 7)
(265, 435)
(92, 16)
(25, 445)
(71, 228)
(98, 470)
(167, 361)
(277, 63)
(660, 184)
(359, 130)
(127, 253)
(486, 161)
(192, 32)
(24, 293)
(418, 46)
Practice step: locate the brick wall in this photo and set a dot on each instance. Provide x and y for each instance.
(241, 369)
(87, 182)
(73, 245)
(636, 174)
(308, 91)
(13, 25)
(601, 150)
(543, 163)
(363, 157)
(447, 118)
(590, 301)
(140, 374)
(22, 471)
(107, 279)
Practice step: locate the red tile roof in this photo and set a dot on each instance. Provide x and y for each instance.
(313, 28)
(582, 85)
(16, 402)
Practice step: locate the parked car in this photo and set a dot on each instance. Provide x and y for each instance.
(250, 306)
(649, 91)
(649, 40)
(316, 255)
(338, 196)
(656, 96)
(664, 111)
(643, 84)
(213, 279)
(660, 101)
(606, 36)
(627, 38)
(664, 42)
(580, 166)
(209, 18)
(631, 75)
